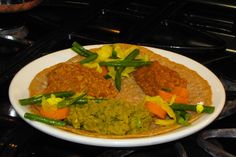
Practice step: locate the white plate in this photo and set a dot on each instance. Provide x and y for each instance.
(19, 89)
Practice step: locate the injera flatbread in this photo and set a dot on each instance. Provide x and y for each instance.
(199, 91)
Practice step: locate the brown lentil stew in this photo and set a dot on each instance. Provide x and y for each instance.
(75, 77)
(156, 76)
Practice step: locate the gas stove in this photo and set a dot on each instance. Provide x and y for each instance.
(202, 30)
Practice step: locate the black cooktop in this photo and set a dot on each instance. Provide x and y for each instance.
(202, 30)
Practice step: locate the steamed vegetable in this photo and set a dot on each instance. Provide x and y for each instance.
(44, 120)
(126, 63)
(180, 93)
(81, 50)
(58, 113)
(182, 117)
(166, 107)
(90, 56)
(69, 101)
(86, 100)
(119, 70)
(155, 109)
(49, 108)
(38, 98)
(188, 107)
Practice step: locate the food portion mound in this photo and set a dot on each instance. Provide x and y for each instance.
(158, 77)
(75, 77)
(112, 117)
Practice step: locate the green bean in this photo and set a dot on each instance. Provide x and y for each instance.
(89, 58)
(85, 100)
(81, 50)
(118, 77)
(38, 98)
(114, 54)
(69, 101)
(189, 107)
(45, 120)
(119, 70)
(132, 55)
(182, 117)
(81, 53)
(133, 63)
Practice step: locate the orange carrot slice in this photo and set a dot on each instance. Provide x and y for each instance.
(181, 100)
(165, 95)
(180, 91)
(155, 109)
(57, 114)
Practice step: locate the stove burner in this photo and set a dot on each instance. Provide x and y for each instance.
(215, 149)
(13, 28)
(18, 32)
(225, 68)
(13, 33)
(16, 35)
(228, 110)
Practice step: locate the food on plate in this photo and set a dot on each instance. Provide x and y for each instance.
(118, 91)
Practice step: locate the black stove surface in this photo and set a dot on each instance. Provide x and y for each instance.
(202, 30)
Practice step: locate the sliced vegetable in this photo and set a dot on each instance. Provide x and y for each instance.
(81, 53)
(189, 107)
(126, 72)
(114, 54)
(51, 102)
(182, 117)
(118, 78)
(57, 114)
(104, 53)
(165, 95)
(179, 97)
(38, 98)
(180, 91)
(132, 55)
(44, 119)
(165, 122)
(81, 50)
(119, 70)
(165, 106)
(126, 63)
(123, 53)
(155, 109)
(89, 58)
(85, 100)
(69, 101)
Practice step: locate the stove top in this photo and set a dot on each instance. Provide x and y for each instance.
(202, 30)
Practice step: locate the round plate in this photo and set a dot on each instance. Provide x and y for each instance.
(19, 89)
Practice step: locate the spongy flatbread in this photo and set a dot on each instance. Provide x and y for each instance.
(199, 91)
